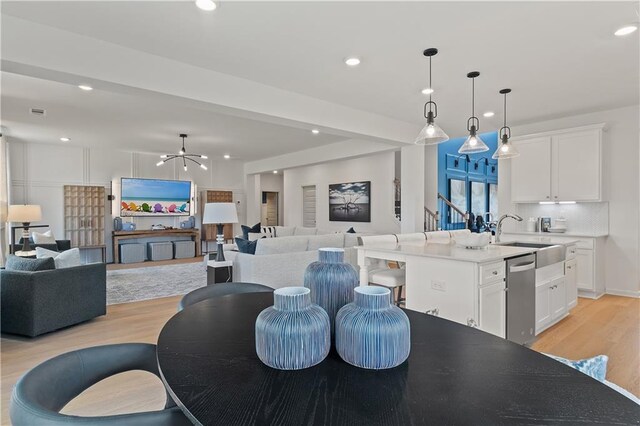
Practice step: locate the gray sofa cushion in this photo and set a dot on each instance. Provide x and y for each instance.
(282, 245)
(285, 231)
(329, 240)
(16, 263)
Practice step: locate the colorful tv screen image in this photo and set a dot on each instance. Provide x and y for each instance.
(155, 197)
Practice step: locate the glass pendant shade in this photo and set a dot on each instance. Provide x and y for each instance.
(505, 150)
(431, 134)
(473, 144)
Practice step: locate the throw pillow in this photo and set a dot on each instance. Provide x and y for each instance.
(269, 231)
(595, 367)
(66, 259)
(44, 238)
(351, 230)
(16, 263)
(246, 246)
(246, 229)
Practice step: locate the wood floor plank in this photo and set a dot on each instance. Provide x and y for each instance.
(610, 325)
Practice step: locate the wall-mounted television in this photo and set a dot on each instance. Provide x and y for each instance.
(155, 197)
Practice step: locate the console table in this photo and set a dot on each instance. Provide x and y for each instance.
(118, 236)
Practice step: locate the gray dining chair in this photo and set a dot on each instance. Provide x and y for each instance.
(217, 290)
(42, 392)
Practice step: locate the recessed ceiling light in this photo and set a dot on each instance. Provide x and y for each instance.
(65, 139)
(315, 131)
(85, 87)
(489, 114)
(207, 5)
(352, 62)
(227, 156)
(427, 91)
(275, 172)
(626, 30)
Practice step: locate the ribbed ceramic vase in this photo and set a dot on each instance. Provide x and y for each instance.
(331, 281)
(371, 332)
(293, 333)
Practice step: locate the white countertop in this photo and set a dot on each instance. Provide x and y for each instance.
(448, 251)
(556, 234)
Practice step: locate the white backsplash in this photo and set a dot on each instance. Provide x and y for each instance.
(582, 218)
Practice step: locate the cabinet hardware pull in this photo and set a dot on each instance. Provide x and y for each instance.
(495, 272)
(472, 323)
(435, 312)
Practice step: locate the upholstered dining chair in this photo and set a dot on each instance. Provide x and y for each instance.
(217, 290)
(380, 274)
(42, 392)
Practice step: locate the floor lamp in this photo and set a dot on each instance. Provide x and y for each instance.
(219, 214)
(25, 214)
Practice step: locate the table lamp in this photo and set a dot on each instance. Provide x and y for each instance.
(25, 213)
(220, 213)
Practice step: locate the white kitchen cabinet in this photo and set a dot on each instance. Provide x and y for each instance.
(558, 294)
(543, 306)
(578, 163)
(563, 165)
(493, 303)
(531, 171)
(571, 280)
(551, 303)
(584, 274)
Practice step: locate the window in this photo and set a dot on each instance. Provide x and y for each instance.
(458, 197)
(478, 198)
(493, 200)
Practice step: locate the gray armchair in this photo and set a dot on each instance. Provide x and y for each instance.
(38, 302)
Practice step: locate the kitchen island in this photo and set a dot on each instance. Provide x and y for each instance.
(462, 285)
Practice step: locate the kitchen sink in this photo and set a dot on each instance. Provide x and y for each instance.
(546, 254)
(521, 244)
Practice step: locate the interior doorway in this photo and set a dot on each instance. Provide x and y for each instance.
(269, 209)
(309, 206)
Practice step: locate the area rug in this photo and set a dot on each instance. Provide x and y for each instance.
(131, 285)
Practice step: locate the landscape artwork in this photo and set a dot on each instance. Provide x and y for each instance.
(350, 202)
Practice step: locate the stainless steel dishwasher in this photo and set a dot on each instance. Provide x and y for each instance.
(521, 299)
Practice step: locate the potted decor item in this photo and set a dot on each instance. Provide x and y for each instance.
(331, 281)
(371, 332)
(293, 333)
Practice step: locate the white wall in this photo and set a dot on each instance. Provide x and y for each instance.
(621, 187)
(378, 168)
(38, 173)
(272, 182)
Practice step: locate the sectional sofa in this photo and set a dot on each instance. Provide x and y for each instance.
(282, 260)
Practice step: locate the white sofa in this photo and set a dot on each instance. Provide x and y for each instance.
(281, 262)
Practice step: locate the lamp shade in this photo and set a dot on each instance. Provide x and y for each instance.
(24, 213)
(473, 144)
(220, 213)
(431, 134)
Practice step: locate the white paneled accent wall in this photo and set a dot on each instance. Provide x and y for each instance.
(38, 173)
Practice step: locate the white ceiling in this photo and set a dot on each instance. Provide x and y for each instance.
(560, 58)
(139, 123)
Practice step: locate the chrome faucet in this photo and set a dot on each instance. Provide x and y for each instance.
(499, 226)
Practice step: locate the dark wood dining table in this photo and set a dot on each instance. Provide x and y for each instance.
(455, 375)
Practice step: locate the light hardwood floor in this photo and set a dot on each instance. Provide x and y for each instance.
(610, 325)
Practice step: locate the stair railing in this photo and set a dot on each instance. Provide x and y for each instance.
(455, 215)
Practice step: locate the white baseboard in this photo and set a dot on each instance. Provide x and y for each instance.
(626, 293)
(589, 294)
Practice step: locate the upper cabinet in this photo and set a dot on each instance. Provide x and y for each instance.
(558, 166)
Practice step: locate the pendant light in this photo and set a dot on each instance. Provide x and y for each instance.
(182, 154)
(431, 133)
(506, 148)
(473, 143)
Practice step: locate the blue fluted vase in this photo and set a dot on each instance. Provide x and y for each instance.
(331, 281)
(371, 332)
(293, 333)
